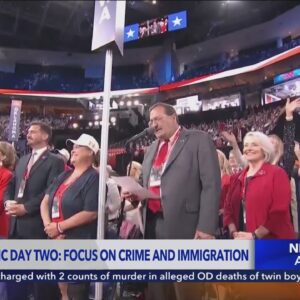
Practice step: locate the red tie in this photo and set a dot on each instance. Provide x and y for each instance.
(154, 204)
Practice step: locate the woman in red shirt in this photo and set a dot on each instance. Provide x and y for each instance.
(258, 199)
(7, 162)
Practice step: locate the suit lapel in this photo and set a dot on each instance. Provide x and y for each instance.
(24, 163)
(148, 161)
(39, 162)
(21, 171)
(177, 148)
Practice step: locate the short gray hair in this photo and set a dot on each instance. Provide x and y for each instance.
(265, 144)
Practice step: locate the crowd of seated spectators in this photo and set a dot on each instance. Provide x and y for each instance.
(61, 80)
(241, 60)
(58, 81)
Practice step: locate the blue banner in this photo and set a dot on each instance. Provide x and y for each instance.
(177, 21)
(14, 120)
(277, 255)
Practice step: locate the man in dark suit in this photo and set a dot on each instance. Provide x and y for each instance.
(181, 168)
(33, 174)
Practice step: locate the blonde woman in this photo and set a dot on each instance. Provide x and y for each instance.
(257, 205)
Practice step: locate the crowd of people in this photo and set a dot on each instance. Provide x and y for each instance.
(253, 194)
(64, 81)
(261, 118)
(45, 80)
(254, 118)
(55, 122)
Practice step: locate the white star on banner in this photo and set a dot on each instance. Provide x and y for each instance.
(176, 21)
(130, 33)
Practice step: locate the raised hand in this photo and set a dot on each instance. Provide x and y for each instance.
(291, 106)
(229, 137)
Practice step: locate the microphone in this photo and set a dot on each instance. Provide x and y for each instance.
(149, 130)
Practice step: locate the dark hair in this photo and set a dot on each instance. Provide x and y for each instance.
(169, 109)
(96, 162)
(43, 127)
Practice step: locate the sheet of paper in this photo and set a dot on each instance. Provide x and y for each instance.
(128, 184)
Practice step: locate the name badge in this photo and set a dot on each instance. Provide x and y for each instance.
(22, 188)
(155, 176)
(55, 208)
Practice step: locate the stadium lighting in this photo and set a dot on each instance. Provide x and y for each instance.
(122, 103)
(75, 125)
(232, 2)
(90, 124)
(96, 117)
(153, 1)
(136, 102)
(129, 103)
(113, 119)
(96, 123)
(80, 117)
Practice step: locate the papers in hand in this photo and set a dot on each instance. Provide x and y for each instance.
(128, 184)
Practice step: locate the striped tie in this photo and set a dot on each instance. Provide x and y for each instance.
(31, 162)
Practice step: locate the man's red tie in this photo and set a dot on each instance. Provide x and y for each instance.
(154, 204)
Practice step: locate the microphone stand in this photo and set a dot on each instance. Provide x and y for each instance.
(129, 151)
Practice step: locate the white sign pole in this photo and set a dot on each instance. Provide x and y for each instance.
(103, 155)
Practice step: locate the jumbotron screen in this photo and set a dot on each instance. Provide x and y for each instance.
(227, 101)
(155, 26)
(188, 104)
(281, 91)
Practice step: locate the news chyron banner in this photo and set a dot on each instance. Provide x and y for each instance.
(109, 19)
(150, 260)
(14, 120)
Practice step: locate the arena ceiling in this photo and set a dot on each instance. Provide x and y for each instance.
(67, 25)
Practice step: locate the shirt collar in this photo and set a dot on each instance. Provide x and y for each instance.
(262, 171)
(172, 138)
(39, 152)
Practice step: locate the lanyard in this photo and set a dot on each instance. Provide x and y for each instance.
(244, 188)
(245, 185)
